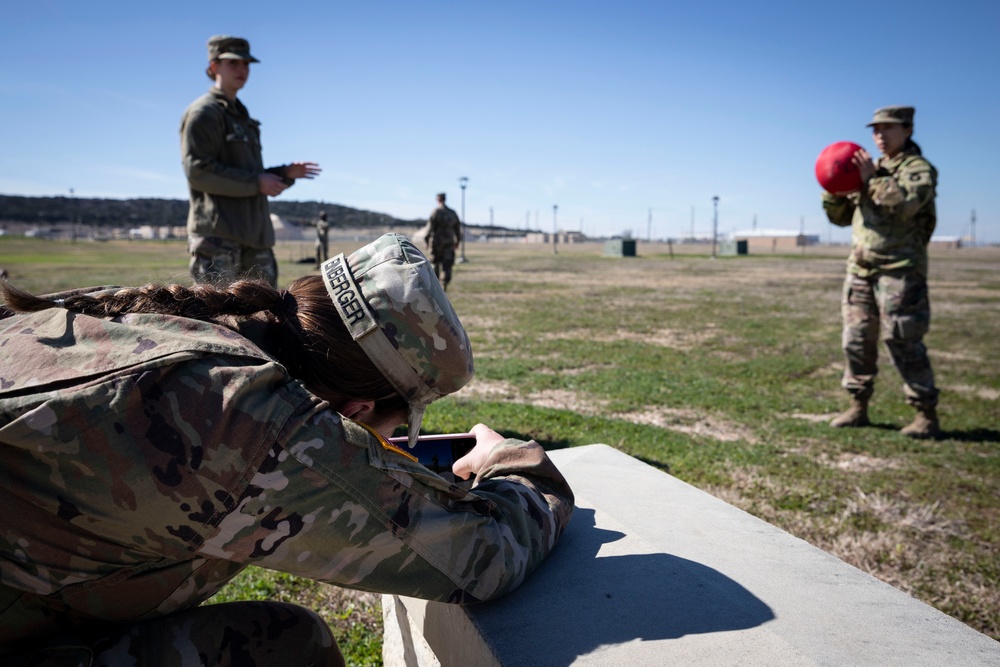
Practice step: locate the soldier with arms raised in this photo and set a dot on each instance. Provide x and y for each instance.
(892, 217)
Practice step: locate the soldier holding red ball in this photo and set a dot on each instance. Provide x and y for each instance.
(892, 215)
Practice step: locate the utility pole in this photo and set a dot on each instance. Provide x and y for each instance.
(973, 223)
(715, 222)
(555, 249)
(649, 226)
(462, 182)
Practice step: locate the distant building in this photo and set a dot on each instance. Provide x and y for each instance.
(774, 240)
(950, 242)
(562, 237)
(286, 232)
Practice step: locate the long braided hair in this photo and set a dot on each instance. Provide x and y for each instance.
(301, 325)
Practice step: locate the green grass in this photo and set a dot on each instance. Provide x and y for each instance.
(724, 373)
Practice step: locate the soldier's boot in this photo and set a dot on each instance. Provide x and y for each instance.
(854, 416)
(924, 426)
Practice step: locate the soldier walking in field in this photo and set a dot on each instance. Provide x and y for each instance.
(885, 295)
(445, 233)
(322, 239)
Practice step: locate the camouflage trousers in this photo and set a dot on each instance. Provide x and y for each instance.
(322, 252)
(237, 634)
(443, 259)
(219, 261)
(893, 307)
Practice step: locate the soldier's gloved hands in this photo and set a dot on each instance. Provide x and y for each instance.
(302, 170)
(862, 159)
(473, 462)
(270, 185)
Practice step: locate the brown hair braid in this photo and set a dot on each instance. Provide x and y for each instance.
(302, 328)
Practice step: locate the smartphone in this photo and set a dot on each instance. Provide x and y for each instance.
(438, 452)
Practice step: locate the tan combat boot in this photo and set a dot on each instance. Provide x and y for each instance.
(854, 416)
(925, 425)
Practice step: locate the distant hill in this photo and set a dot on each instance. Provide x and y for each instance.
(127, 213)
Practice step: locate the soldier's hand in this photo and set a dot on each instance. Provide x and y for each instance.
(302, 170)
(862, 159)
(270, 185)
(473, 462)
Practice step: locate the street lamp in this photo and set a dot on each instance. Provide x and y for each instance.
(72, 216)
(715, 221)
(555, 250)
(463, 181)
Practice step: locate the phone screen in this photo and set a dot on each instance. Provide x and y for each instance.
(438, 452)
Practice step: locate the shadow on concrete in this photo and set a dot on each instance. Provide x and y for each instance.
(579, 601)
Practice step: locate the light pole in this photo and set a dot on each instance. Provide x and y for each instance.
(715, 221)
(72, 216)
(555, 250)
(463, 181)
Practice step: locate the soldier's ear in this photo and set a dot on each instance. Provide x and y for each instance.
(357, 410)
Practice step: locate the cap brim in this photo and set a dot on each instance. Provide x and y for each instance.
(888, 121)
(238, 56)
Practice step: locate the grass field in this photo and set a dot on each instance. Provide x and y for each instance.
(723, 372)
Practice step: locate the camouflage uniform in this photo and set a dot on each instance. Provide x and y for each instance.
(229, 223)
(885, 292)
(147, 459)
(322, 239)
(444, 234)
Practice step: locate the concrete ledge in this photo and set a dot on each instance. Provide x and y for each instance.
(653, 571)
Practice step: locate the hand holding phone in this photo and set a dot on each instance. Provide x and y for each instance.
(475, 459)
(460, 454)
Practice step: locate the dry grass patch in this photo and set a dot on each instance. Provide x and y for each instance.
(691, 422)
(686, 421)
(985, 393)
(674, 339)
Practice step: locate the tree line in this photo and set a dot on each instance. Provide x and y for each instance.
(127, 213)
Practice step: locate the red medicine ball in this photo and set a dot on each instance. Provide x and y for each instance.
(834, 169)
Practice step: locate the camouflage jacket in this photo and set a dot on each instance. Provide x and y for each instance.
(146, 459)
(221, 154)
(892, 219)
(445, 228)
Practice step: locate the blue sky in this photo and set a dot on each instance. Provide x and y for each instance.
(606, 109)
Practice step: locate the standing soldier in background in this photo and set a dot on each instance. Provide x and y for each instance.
(322, 239)
(445, 233)
(229, 225)
(885, 295)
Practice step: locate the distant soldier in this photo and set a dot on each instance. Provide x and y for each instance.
(885, 295)
(230, 234)
(322, 239)
(444, 234)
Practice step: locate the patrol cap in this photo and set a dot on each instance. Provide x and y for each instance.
(442, 196)
(395, 308)
(900, 115)
(225, 47)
